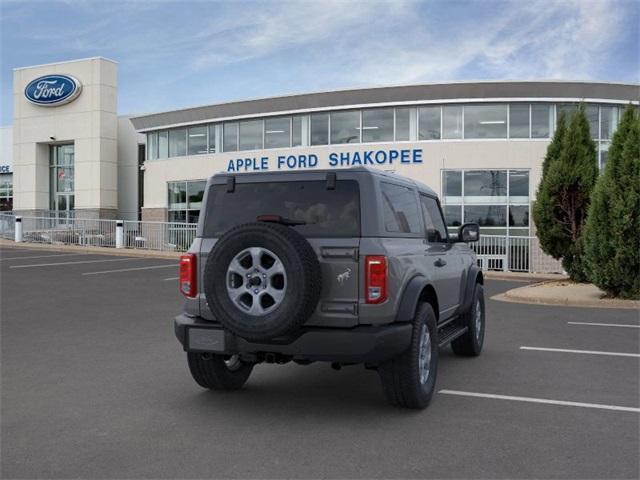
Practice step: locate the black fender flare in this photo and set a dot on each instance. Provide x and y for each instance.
(474, 276)
(409, 299)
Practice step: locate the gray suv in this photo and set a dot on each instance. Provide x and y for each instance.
(348, 266)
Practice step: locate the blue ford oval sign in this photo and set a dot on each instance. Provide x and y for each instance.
(53, 90)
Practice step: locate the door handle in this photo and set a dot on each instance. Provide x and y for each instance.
(440, 263)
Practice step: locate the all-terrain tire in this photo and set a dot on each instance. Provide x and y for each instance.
(470, 344)
(401, 376)
(216, 372)
(302, 285)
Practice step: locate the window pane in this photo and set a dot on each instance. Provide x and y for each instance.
(197, 140)
(212, 138)
(568, 109)
(592, 116)
(377, 125)
(328, 213)
(163, 144)
(604, 152)
(178, 142)
(403, 116)
(541, 120)
(320, 129)
(429, 123)
(485, 186)
(486, 215)
(452, 121)
(177, 216)
(519, 216)
(485, 121)
(296, 132)
(452, 184)
(400, 209)
(519, 120)
(518, 186)
(277, 132)
(453, 215)
(152, 146)
(195, 192)
(345, 127)
(608, 122)
(192, 216)
(177, 195)
(230, 137)
(433, 222)
(251, 135)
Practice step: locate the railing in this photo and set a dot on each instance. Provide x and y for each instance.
(495, 252)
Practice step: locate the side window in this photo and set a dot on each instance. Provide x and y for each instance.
(400, 209)
(436, 231)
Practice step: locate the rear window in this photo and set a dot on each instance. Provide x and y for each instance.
(400, 209)
(327, 213)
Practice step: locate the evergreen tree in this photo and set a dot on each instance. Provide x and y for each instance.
(563, 197)
(612, 241)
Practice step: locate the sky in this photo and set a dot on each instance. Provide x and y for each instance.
(176, 54)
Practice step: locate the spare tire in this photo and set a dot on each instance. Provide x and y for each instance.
(262, 280)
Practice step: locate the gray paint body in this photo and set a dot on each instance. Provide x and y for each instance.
(409, 256)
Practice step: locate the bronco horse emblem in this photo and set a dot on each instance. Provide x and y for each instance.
(344, 276)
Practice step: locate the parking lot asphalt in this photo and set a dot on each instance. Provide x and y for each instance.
(95, 385)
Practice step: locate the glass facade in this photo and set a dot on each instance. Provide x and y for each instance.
(185, 200)
(6, 192)
(61, 179)
(493, 121)
(498, 200)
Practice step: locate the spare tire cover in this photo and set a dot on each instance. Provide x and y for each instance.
(262, 280)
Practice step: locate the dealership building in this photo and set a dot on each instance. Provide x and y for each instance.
(479, 144)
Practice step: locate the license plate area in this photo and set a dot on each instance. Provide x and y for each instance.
(205, 340)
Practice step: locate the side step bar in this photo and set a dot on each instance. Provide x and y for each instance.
(450, 332)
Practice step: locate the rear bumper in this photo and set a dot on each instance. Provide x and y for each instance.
(363, 344)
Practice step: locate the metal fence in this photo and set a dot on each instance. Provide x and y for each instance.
(495, 252)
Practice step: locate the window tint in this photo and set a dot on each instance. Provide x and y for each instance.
(485, 121)
(230, 137)
(400, 209)
(485, 185)
(377, 125)
(197, 140)
(251, 135)
(277, 132)
(345, 127)
(320, 129)
(327, 213)
(403, 122)
(453, 215)
(429, 123)
(519, 185)
(434, 224)
(486, 215)
(452, 121)
(519, 216)
(519, 120)
(452, 183)
(178, 142)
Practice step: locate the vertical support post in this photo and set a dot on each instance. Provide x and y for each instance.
(18, 230)
(119, 234)
(505, 267)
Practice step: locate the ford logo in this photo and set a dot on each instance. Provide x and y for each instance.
(53, 90)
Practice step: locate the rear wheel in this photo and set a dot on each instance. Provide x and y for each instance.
(470, 344)
(218, 372)
(409, 379)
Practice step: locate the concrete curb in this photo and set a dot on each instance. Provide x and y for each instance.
(523, 276)
(586, 296)
(125, 252)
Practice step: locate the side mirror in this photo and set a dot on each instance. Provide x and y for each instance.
(469, 232)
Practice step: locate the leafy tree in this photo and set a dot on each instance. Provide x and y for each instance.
(612, 241)
(563, 197)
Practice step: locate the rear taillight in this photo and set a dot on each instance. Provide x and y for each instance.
(188, 271)
(375, 279)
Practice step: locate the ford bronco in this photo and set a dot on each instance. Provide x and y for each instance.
(351, 266)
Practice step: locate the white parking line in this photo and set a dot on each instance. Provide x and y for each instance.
(541, 400)
(172, 278)
(74, 263)
(588, 352)
(42, 256)
(622, 325)
(131, 269)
